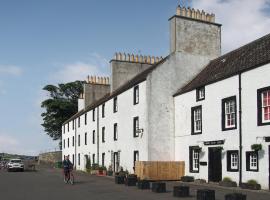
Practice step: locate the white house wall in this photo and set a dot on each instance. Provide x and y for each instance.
(212, 126)
(126, 143)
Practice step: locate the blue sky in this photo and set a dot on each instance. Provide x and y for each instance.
(43, 42)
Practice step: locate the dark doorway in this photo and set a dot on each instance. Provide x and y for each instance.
(214, 166)
(116, 161)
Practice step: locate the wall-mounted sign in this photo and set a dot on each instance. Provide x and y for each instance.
(215, 142)
(203, 163)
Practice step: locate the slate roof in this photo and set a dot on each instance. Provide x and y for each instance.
(247, 57)
(129, 84)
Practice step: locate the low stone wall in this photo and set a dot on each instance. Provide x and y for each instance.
(50, 157)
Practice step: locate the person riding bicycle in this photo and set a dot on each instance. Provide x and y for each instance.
(67, 166)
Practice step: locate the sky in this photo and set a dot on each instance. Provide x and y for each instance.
(57, 41)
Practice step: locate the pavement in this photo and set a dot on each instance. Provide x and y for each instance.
(47, 184)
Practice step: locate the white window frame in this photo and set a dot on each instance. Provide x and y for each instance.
(197, 114)
(195, 160)
(253, 160)
(230, 113)
(267, 105)
(234, 161)
(136, 93)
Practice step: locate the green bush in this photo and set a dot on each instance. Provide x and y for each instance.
(102, 168)
(58, 164)
(252, 182)
(95, 166)
(227, 179)
(256, 147)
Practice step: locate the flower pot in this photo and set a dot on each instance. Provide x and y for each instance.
(187, 179)
(181, 191)
(131, 181)
(205, 194)
(143, 184)
(119, 179)
(159, 187)
(110, 173)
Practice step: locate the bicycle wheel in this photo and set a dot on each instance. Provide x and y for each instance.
(71, 180)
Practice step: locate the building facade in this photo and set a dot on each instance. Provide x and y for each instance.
(222, 113)
(217, 122)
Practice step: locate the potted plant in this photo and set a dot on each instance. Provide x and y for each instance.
(251, 184)
(187, 179)
(102, 171)
(256, 147)
(94, 169)
(131, 179)
(227, 182)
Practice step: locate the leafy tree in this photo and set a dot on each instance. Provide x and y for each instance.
(60, 106)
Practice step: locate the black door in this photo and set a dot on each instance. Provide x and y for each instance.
(214, 164)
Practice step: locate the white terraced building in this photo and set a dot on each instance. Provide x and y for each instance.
(141, 114)
(132, 118)
(222, 112)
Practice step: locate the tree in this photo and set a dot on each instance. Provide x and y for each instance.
(62, 104)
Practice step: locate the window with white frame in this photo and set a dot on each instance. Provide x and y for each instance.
(252, 162)
(136, 95)
(264, 106)
(196, 113)
(115, 104)
(232, 161)
(115, 132)
(200, 94)
(194, 159)
(229, 113)
(93, 118)
(135, 126)
(103, 134)
(103, 110)
(85, 118)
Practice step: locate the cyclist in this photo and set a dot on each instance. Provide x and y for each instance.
(67, 165)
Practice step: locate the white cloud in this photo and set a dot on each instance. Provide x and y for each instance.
(94, 65)
(8, 144)
(242, 21)
(10, 70)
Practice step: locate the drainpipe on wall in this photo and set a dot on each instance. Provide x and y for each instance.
(240, 128)
(98, 135)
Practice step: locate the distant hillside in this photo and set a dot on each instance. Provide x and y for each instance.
(4, 156)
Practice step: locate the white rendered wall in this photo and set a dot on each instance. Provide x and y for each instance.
(126, 143)
(211, 125)
(252, 133)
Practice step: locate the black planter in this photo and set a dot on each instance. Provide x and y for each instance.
(144, 185)
(158, 187)
(235, 196)
(119, 179)
(180, 191)
(131, 181)
(228, 183)
(250, 186)
(206, 195)
(187, 179)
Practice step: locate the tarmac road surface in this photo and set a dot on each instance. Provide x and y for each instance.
(47, 184)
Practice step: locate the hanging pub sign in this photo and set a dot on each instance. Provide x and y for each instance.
(215, 142)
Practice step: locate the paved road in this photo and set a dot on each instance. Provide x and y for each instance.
(47, 184)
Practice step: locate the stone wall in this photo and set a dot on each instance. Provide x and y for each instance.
(50, 157)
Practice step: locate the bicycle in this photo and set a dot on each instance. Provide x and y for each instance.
(69, 177)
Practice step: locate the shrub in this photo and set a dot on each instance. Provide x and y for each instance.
(227, 179)
(252, 182)
(95, 166)
(102, 168)
(256, 147)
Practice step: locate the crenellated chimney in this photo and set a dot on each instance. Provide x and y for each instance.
(195, 32)
(94, 88)
(126, 66)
